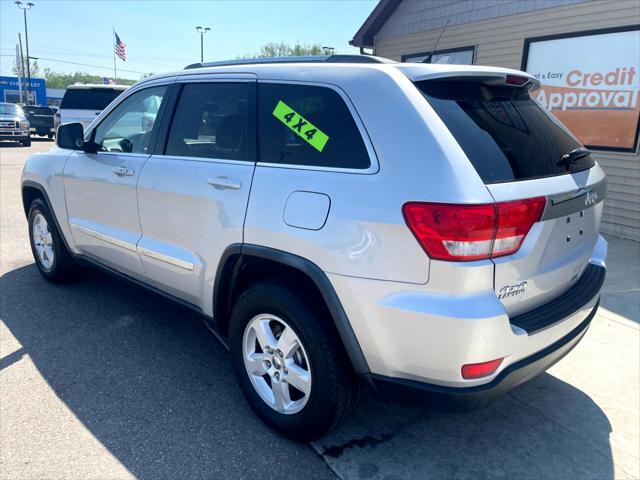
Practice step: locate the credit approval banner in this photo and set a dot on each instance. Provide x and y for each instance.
(591, 83)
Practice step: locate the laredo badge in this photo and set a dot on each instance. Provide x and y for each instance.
(300, 125)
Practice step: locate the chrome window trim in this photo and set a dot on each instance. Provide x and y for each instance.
(177, 262)
(374, 166)
(226, 161)
(121, 154)
(103, 236)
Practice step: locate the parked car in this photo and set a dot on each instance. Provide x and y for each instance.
(41, 120)
(14, 125)
(428, 231)
(83, 102)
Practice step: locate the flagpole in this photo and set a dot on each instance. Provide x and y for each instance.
(115, 73)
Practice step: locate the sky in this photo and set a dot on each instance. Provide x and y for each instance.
(160, 36)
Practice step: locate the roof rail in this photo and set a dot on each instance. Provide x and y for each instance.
(299, 59)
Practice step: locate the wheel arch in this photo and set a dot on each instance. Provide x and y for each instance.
(240, 262)
(32, 190)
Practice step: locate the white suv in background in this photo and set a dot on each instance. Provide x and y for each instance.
(82, 103)
(428, 231)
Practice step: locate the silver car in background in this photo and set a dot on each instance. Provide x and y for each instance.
(425, 231)
(83, 102)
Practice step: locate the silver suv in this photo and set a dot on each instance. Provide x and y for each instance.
(427, 231)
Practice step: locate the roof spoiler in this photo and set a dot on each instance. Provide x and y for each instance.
(489, 77)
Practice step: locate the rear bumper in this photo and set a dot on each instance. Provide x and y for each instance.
(414, 392)
(42, 130)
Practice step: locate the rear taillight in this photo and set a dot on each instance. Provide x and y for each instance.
(455, 232)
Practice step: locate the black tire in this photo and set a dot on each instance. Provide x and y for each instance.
(63, 268)
(26, 143)
(50, 136)
(334, 388)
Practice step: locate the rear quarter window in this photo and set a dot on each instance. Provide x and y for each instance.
(505, 134)
(88, 98)
(308, 125)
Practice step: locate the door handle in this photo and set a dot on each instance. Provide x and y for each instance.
(224, 182)
(122, 171)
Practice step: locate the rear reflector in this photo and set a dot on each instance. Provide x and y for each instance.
(455, 232)
(479, 370)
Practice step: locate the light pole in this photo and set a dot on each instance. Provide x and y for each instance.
(25, 9)
(202, 31)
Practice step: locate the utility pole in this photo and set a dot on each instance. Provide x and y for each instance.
(25, 9)
(202, 31)
(19, 66)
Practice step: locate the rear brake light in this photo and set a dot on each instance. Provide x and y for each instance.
(479, 370)
(456, 232)
(516, 80)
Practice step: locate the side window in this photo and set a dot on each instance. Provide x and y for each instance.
(129, 126)
(308, 125)
(210, 121)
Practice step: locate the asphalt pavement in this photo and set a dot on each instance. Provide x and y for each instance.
(99, 379)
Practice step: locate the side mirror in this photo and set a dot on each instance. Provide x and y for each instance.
(147, 122)
(70, 136)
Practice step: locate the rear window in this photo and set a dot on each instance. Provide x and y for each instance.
(505, 134)
(40, 110)
(88, 98)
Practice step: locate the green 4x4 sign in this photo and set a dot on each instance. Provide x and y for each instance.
(301, 126)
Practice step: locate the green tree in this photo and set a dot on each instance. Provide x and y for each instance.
(63, 80)
(282, 49)
(33, 64)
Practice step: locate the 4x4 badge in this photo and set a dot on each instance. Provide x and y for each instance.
(591, 198)
(512, 290)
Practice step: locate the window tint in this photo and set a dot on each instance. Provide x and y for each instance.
(88, 98)
(39, 110)
(210, 121)
(128, 127)
(505, 134)
(308, 125)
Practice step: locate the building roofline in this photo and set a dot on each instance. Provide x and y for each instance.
(380, 14)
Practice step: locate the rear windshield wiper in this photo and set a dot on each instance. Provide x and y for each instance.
(573, 156)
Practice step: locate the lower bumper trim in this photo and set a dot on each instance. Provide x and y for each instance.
(17, 137)
(412, 392)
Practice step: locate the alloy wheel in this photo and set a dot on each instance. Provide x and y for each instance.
(276, 363)
(43, 241)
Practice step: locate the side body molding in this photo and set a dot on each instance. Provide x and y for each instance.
(229, 266)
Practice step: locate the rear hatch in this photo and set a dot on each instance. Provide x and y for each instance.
(40, 117)
(522, 152)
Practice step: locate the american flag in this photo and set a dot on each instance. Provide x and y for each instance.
(120, 48)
